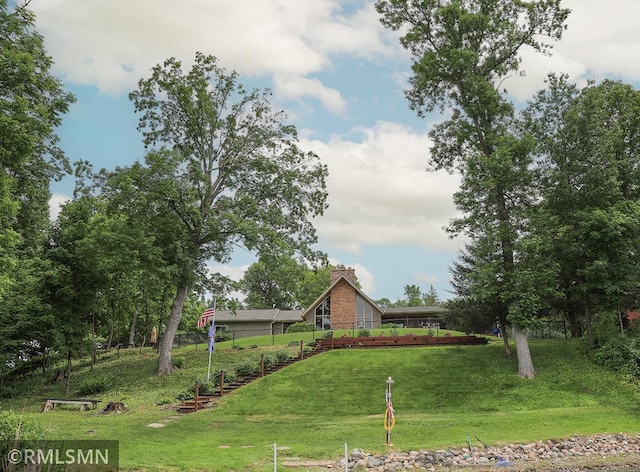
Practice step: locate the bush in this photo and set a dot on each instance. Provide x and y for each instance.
(328, 334)
(222, 335)
(300, 327)
(93, 386)
(204, 387)
(282, 357)
(178, 362)
(388, 326)
(620, 354)
(12, 423)
(362, 333)
(270, 360)
(246, 369)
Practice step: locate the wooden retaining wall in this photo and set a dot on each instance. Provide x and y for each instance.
(346, 342)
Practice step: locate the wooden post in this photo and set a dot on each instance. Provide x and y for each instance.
(197, 391)
(301, 350)
(221, 382)
(262, 365)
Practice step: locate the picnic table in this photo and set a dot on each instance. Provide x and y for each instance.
(50, 403)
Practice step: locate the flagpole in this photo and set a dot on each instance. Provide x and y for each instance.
(209, 345)
(209, 368)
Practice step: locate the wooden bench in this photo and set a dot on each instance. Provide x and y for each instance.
(50, 403)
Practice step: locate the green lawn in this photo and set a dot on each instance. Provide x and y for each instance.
(313, 408)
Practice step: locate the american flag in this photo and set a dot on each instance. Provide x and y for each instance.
(207, 315)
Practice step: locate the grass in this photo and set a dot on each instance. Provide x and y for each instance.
(314, 407)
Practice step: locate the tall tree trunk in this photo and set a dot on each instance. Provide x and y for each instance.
(68, 376)
(620, 321)
(132, 331)
(503, 312)
(110, 337)
(505, 340)
(44, 361)
(525, 364)
(165, 366)
(574, 325)
(93, 340)
(587, 320)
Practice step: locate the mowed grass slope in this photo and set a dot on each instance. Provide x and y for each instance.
(312, 408)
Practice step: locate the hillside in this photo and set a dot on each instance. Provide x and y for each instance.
(312, 408)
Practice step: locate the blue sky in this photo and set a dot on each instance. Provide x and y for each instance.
(340, 76)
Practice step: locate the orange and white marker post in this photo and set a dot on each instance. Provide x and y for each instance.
(389, 417)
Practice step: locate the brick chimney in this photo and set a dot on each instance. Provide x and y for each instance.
(343, 298)
(348, 273)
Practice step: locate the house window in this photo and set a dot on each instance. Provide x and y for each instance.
(323, 315)
(364, 313)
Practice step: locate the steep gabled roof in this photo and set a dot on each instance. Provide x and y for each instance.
(312, 308)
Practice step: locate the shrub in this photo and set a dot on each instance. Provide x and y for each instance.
(229, 377)
(223, 335)
(300, 327)
(93, 386)
(270, 360)
(620, 354)
(246, 369)
(388, 326)
(178, 362)
(328, 334)
(204, 387)
(363, 333)
(282, 357)
(12, 423)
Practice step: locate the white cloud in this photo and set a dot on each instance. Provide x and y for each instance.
(296, 87)
(55, 203)
(380, 192)
(112, 44)
(234, 272)
(425, 278)
(601, 42)
(363, 274)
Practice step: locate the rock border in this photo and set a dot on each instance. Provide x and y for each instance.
(552, 455)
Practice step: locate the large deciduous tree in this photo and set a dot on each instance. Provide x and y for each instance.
(32, 103)
(462, 52)
(224, 169)
(588, 157)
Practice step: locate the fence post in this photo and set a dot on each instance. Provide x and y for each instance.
(262, 365)
(197, 391)
(221, 382)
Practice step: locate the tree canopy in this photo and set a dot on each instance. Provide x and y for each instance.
(462, 51)
(223, 169)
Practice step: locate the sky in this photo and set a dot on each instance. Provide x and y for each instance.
(340, 77)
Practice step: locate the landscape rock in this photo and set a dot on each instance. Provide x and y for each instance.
(546, 455)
